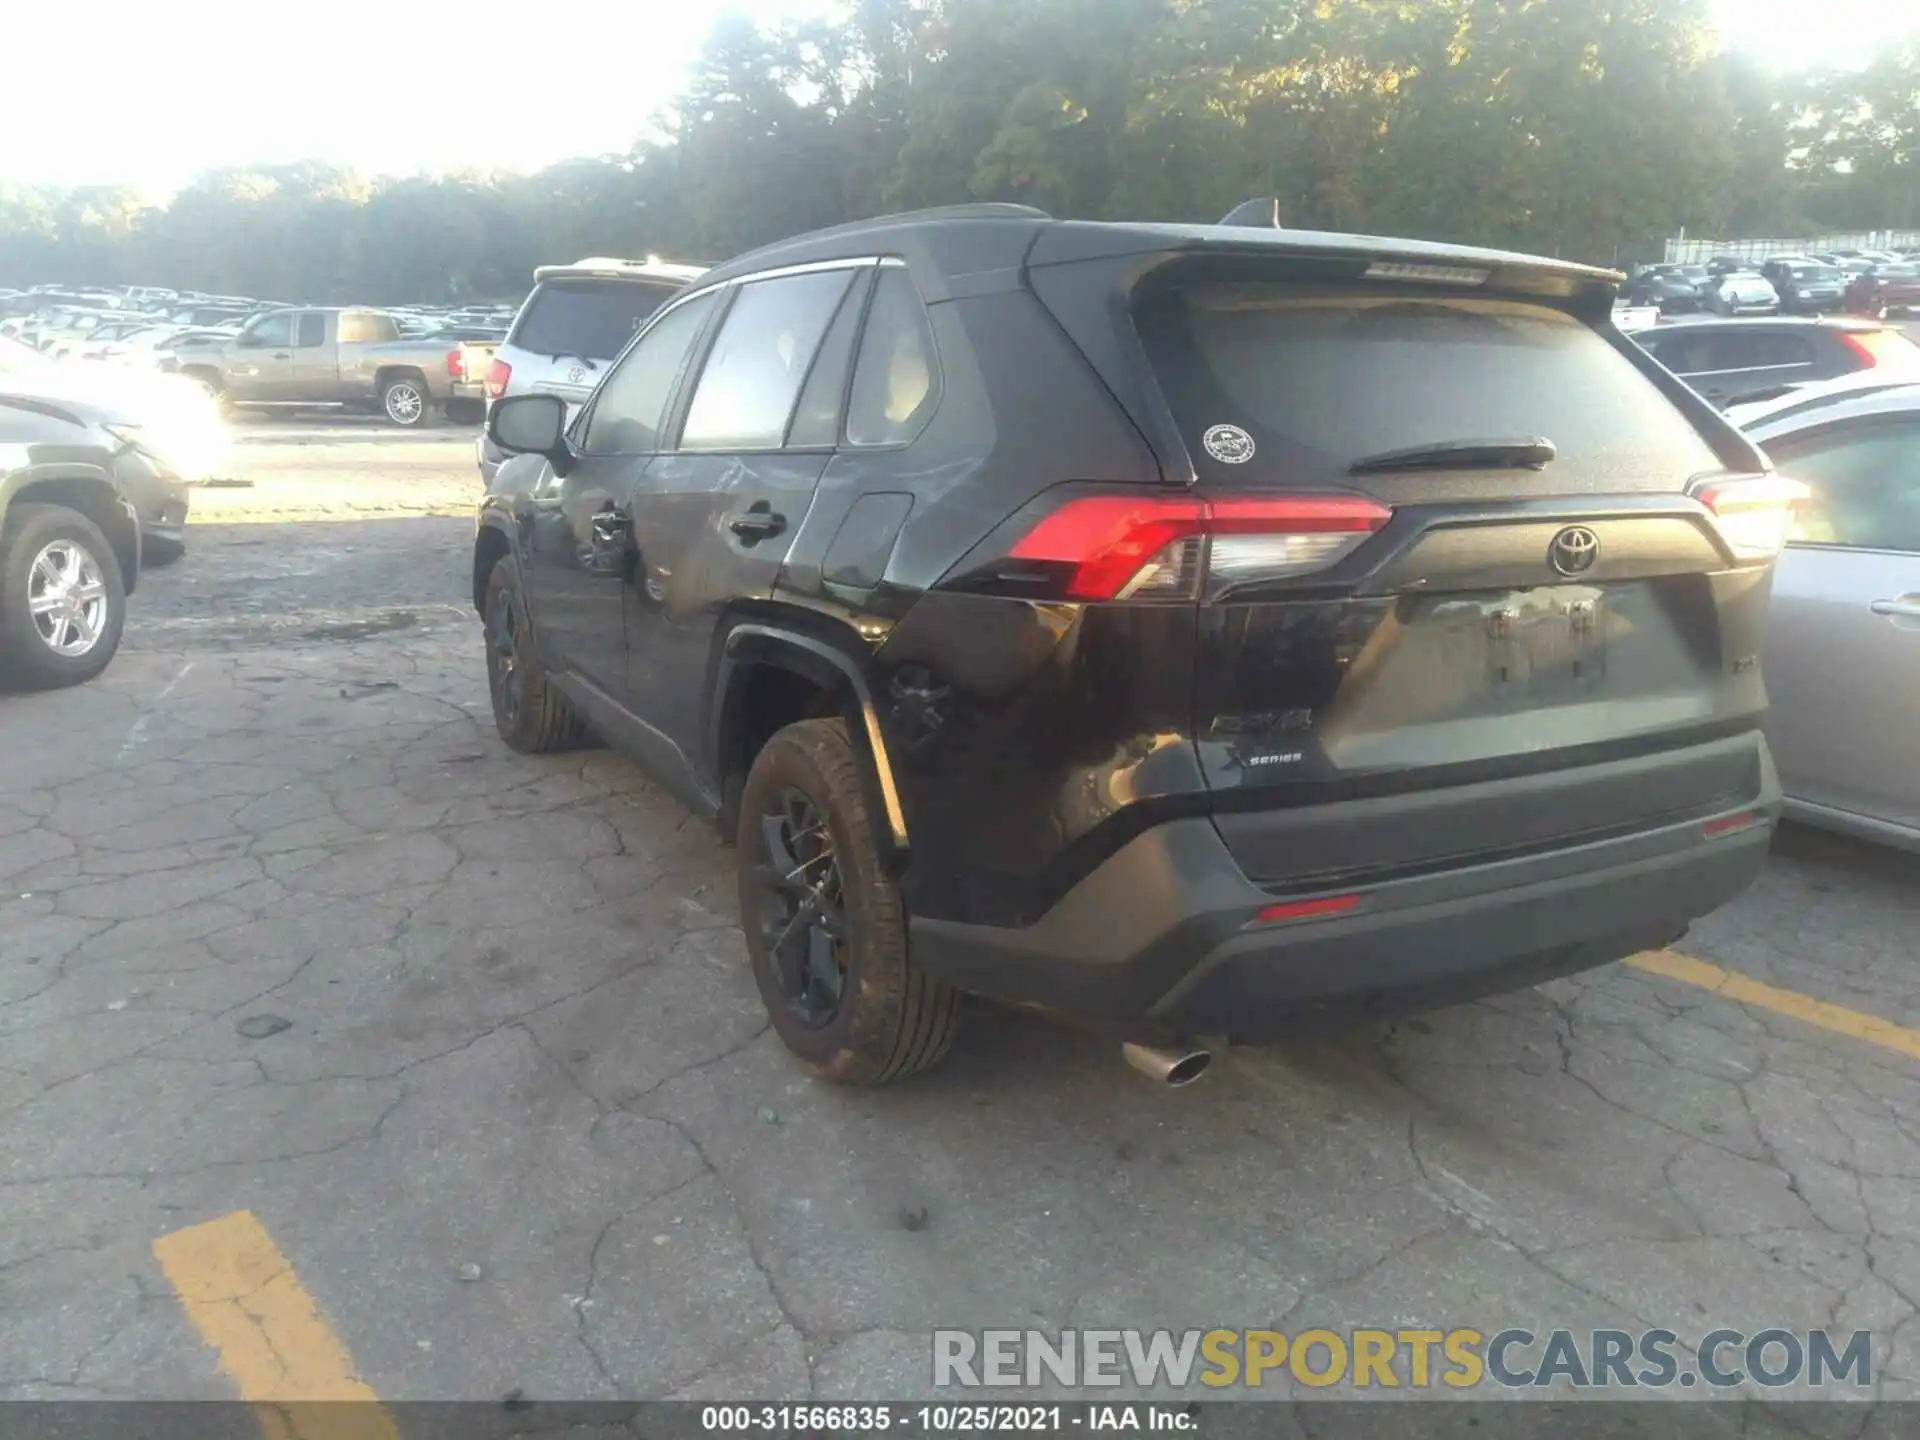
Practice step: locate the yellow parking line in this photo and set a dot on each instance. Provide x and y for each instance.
(242, 1296)
(1731, 985)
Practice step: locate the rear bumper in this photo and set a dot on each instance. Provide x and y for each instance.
(1160, 940)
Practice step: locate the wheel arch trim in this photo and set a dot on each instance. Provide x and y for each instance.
(125, 538)
(753, 642)
(490, 519)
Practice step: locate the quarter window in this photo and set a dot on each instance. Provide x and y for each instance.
(895, 381)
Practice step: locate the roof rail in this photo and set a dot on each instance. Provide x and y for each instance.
(988, 210)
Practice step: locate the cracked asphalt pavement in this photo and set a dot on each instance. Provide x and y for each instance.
(284, 928)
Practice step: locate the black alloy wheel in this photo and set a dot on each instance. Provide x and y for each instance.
(803, 911)
(503, 658)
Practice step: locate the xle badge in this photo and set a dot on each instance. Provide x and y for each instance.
(1228, 444)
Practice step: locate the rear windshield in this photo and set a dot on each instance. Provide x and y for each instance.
(589, 318)
(1321, 379)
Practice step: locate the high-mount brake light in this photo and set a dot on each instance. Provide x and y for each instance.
(1124, 547)
(1754, 512)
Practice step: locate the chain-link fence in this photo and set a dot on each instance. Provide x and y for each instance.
(1683, 250)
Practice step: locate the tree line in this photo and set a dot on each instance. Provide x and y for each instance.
(1586, 128)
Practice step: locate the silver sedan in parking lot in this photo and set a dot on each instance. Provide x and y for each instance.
(1842, 658)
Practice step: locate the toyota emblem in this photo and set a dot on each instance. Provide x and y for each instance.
(1574, 550)
(576, 374)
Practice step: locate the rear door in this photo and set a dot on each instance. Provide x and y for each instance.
(1843, 644)
(713, 520)
(316, 368)
(1383, 614)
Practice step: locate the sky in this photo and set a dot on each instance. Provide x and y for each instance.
(189, 85)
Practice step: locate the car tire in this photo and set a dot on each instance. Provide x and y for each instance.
(878, 1016)
(528, 712)
(34, 652)
(406, 402)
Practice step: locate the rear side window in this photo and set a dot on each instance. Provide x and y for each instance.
(895, 381)
(1729, 350)
(1319, 378)
(593, 319)
(364, 327)
(752, 379)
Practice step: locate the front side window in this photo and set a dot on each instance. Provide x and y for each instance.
(1865, 479)
(752, 379)
(274, 329)
(631, 404)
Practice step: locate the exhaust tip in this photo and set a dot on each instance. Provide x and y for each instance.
(1170, 1067)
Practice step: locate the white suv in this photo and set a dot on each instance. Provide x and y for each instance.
(575, 323)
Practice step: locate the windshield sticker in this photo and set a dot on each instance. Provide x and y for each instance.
(1228, 444)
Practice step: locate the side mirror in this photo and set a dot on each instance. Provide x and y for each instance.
(248, 340)
(530, 425)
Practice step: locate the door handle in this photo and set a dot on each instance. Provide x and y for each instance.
(281, 355)
(759, 523)
(1902, 609)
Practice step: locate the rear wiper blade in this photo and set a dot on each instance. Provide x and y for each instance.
(1524, 452)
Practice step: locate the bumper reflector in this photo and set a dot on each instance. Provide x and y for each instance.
(1306, 909)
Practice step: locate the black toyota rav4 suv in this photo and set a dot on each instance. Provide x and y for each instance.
(1192, 631)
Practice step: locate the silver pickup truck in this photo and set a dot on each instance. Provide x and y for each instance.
(345, 358)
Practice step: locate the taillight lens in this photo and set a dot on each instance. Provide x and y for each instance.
(1754, 512)
(1881, 347)
(457, 364)
(497, 375)
(1163, 547)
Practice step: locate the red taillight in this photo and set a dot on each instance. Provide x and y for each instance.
(1121, 546)
(1727, 824)
(1307, 909)
(1754, 512)
(457, 364)
(1880, 347)
(497, 374)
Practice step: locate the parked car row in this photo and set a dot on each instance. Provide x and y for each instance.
(1735, 361)
(1870, 283)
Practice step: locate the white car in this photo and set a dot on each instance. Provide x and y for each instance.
(577, 320)
(1743, 292)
